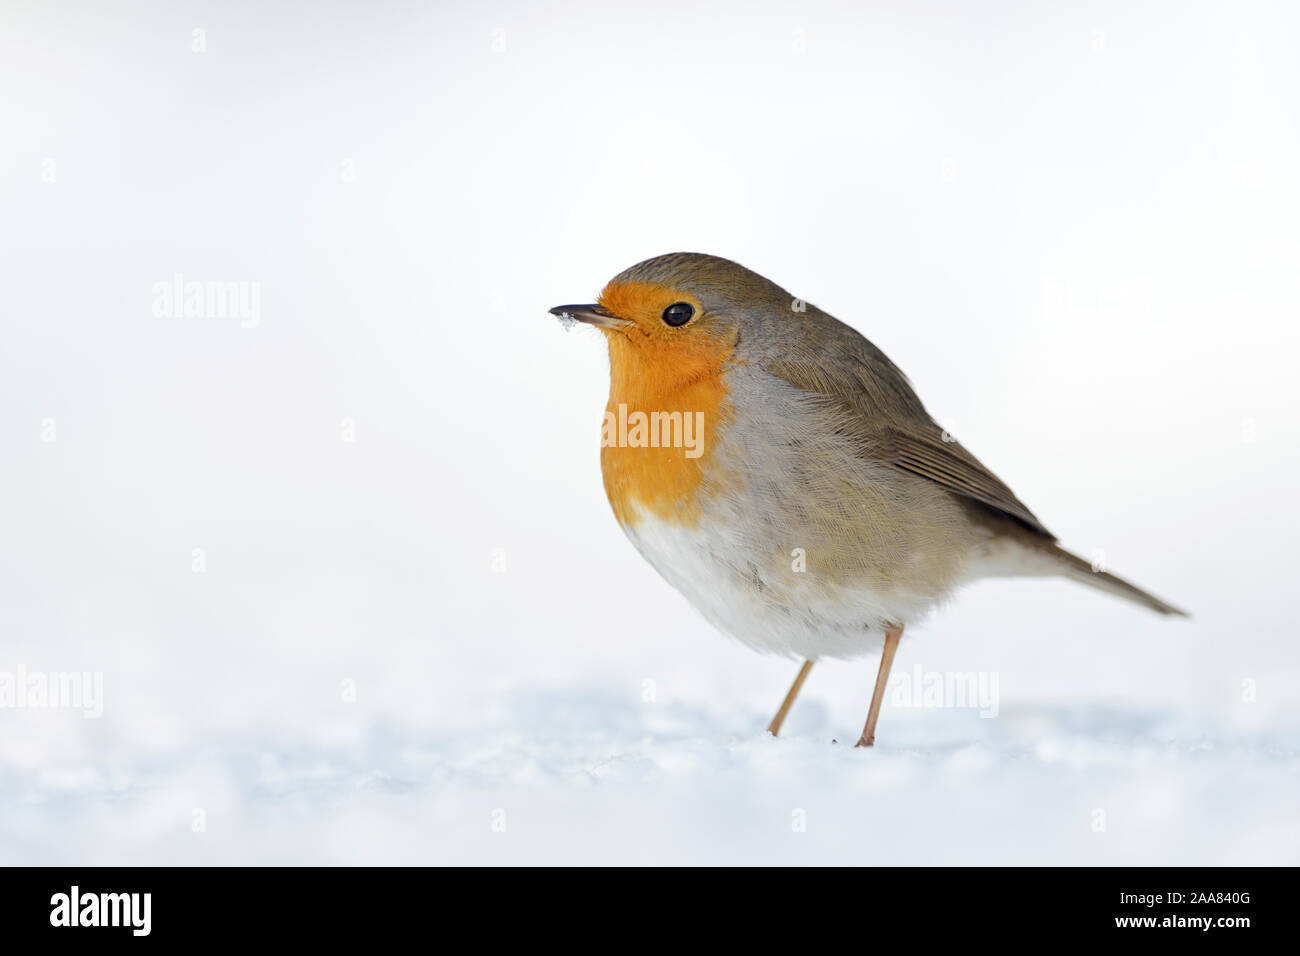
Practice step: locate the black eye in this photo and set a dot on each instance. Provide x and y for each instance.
(679, 313)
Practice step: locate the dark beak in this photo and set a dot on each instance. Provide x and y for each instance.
(591, 314)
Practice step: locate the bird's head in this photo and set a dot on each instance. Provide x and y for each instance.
(678, 317)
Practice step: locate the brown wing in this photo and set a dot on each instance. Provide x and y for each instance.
(951, 465)
(886, 416)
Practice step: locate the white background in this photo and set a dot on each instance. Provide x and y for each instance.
(1075, 231)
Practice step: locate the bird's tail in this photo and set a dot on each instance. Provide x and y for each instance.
(1076, 569)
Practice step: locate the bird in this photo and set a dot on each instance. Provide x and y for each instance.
(777, 469)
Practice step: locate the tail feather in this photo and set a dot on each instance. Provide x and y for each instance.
(1076, 569)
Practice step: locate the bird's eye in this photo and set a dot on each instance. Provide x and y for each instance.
(679, 313)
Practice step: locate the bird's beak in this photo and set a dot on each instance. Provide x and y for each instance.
(591, 314)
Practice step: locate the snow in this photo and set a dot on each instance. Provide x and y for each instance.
(572, 774)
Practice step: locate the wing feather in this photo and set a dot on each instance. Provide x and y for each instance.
(884, 415)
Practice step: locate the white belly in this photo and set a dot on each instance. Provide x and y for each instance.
(787, 611)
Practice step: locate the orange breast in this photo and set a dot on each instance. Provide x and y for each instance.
(678, 390)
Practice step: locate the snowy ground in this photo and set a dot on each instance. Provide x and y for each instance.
(347, 572)
(1027, 788)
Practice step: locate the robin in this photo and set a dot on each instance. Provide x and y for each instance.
(778, 469)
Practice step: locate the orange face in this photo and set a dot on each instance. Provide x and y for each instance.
(645, 304)
(666, 358)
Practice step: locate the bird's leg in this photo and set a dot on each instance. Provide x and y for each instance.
(774, 727)
(892, 635)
